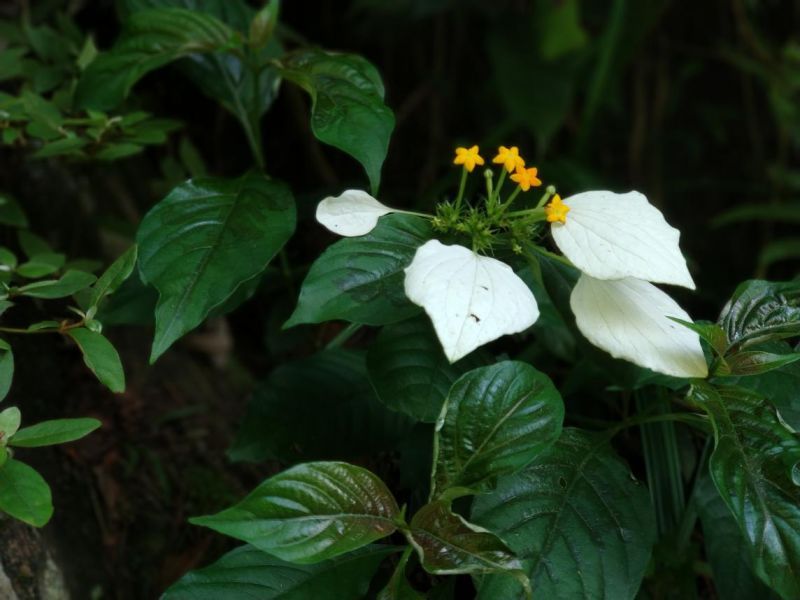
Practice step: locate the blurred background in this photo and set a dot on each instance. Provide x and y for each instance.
(696, 104)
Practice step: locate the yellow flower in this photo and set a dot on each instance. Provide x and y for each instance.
(509, 158)
(556, 211)
(468, 157)
(526, 178)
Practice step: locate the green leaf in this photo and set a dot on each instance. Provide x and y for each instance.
(235, 13)
(780, 387)
(756, 362)
(777, 251)
(747, 213)
(67, 145)
(448, 544)
(398, 587)
(409, 371)
(114, 276)
(581, 522)
(329, 394)
(726, 548)
(311, 512)
(24, 495)
(10, 418)
(560, 30)
(101, 358)
(756, 469)
(70, 282)
(347, 109)
(495, 420)
(56, 431)
(247, 573)
(33, 245)
(150, 39)
(360, 279)
(762, 310)
(10, 212)
(711, 333)
(204, 240)
(41, 265)
(6, 368)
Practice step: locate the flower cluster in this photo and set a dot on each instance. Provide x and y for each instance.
(620, 243)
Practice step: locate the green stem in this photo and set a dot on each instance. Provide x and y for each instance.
(500, 181)
(250, 127)
(344, 335)
(689, 518)
(549, 191)
(461, 187)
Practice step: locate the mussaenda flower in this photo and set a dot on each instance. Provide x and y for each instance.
(526, 178)
(509, 158)
(468, 157)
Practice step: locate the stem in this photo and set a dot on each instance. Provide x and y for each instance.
(61, 329)
(500, 181)
(461, 188)
(549, 191)
(286, 269)
(687, 418)
(344, 335)
(689, 518)
(487, 174)
(250, 128)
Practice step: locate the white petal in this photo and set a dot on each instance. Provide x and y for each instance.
(611, 236)
(353, 213)
(628, 319)
(471, 299)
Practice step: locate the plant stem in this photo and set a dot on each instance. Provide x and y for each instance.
(344, 335)
(461, 187)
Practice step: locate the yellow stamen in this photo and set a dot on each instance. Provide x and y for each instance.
(556, 211)
(509, 158)
(526, 178)
(468, 157)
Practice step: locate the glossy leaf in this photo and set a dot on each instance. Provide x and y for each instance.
(114, 276)
(780, 387)
(6, 368)
(409, 371)
(70, 283)
(756, 362)
(581, 523)
(726, 548)
(24, 495)
(311, 512)
(247, 573)
(756, 469)
(361, 279)
(448, 544)
(151, 39)
(101, 357)
(347, 109)
(495, 420)
(330, 395)
(761, 310)
(57, 431)
(204, 240)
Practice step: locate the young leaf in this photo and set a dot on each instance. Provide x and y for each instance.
(582, 524)
(70, 283)
(40, 265)
(6, 368)
(409, 371)
(151, 39)
(762, 310)
(10, 211)
(756, 362)
(24, 495)
(495, 420)
(347, 109)
(114, 276)
(755, 467)
(711, 333)
(204, 240)
(57, 431)
(329, 394)
(247, 573)
(101, 357)
(726, 548)
(311, 512)
(448, 544)
(361, 279)
(10, 419)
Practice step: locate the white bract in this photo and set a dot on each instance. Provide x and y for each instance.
(471, 299)
(621, 242)
(351, 214)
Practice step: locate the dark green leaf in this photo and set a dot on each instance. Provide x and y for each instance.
(778, 250)
(235, 13)
(70, 282)
(495, 420)
(57, 431)
(447, 544)
(311, 512)
(780, 388)
(151, 39)
(581, 522)
(398, 587)
(347, 109)
(755, 466)
(329, 394)
(762, 310)
(360, 279)
(247, 573)
(204, 240)
(101, 358)
(756, 362)
(409, 371)
(726, 548)
(33, 245)
(41, 265)
(10, 211)
(67, 145)
(114, 276)
(24, 495)
(6, 368)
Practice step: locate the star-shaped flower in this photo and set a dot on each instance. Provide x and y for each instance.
(468, 157)
(526, 178)
(509, 158)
